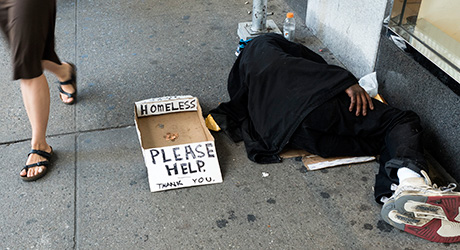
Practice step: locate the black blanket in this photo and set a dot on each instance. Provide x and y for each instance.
(273, 85)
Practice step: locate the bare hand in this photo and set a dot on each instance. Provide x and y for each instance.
(359, 99)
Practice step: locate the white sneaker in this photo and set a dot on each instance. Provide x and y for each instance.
(419, 198)
(424, 210)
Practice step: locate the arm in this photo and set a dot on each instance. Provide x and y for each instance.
(359, 99)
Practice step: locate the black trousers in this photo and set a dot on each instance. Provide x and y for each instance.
(332, 130)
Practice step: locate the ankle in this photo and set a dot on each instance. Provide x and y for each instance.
(64, 72)
(40, 146)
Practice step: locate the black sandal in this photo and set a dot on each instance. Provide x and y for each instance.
(73, 82)
(45, 164)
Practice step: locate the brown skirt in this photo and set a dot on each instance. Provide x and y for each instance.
(29, 29)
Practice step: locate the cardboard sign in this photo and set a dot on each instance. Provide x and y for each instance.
(178, 149)
(182, 166)
(164, 105)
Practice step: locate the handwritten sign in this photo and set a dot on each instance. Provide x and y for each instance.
(155, 107)
(180, 162)
(182, 166)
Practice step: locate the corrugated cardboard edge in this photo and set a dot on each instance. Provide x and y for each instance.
(315, 162)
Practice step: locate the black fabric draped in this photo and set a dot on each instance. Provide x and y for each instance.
(273, 85)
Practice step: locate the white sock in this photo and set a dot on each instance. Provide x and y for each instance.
(404, 173)
(384, 199)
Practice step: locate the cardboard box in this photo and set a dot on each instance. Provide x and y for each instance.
(178, 149)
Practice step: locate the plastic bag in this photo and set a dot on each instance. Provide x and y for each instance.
(370, 84)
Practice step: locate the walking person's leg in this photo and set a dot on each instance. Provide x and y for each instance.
(29, 28)
(36, 98)
(65, 72)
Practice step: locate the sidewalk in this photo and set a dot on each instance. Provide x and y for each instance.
(96, 194)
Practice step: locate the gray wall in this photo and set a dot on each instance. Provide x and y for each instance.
(407, 85)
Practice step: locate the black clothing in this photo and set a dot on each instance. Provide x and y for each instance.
(283, 94)
(331, 130)
(273, 85)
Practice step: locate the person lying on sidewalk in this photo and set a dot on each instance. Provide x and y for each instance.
(284, 95)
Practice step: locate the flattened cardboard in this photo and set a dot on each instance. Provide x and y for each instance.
(315, 162)
(187, 159)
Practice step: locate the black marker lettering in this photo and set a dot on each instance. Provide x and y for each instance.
(189, 152)
(193, 103)
(200, 153)
(170, 184)
(200, 165)
(153, 108)
(143, 109)
(184, 167)
(172, 168)
(176, 155)
(154, 155)
(164, 156)
(210, 150)
(190, 168)
(174, 108)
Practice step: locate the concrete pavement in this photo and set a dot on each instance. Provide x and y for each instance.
(96, 194)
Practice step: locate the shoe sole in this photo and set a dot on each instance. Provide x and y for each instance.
(35, 177)
(434, 230)
(445, 207)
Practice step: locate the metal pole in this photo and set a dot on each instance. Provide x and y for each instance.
(259, 15)
(401, 18)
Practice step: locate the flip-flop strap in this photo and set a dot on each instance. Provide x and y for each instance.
(70, 95)
(71, 81)
(38, 164)
(40, 153)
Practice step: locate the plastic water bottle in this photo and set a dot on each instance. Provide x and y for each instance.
(289, 27)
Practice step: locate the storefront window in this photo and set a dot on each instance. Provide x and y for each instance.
(432, 27)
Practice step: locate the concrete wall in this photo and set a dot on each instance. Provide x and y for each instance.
(407, 85)
(350, 29)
